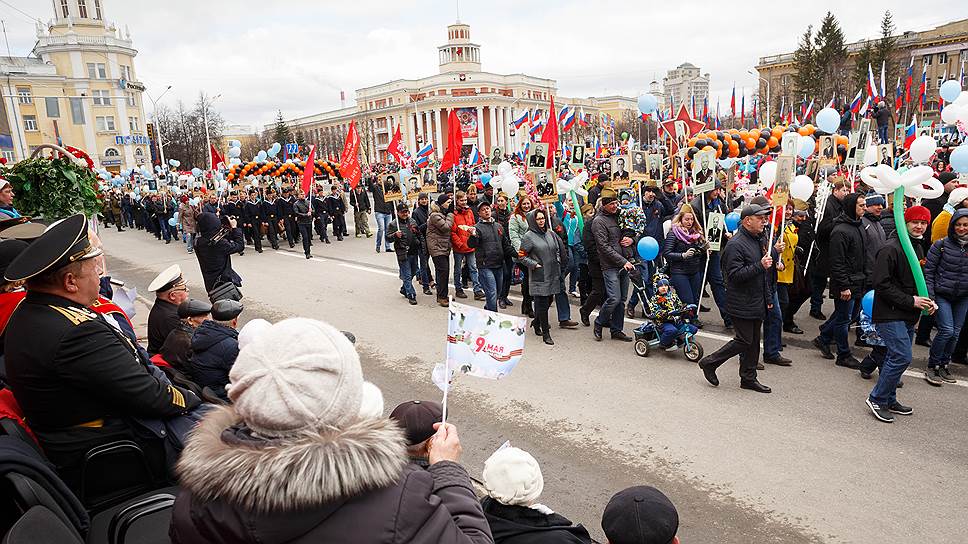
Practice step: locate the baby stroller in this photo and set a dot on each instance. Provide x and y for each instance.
(647, 334)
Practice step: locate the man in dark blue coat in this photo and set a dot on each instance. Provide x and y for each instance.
(215, 346)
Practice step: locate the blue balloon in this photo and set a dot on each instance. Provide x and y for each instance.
(648, 103)
(172, 222)
(732, 221)
(485, 178)
(950, 90)
(648, 248)
(828, 120)
(867, 303)
(959, 159)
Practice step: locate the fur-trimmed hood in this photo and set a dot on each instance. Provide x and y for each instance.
(224, 460)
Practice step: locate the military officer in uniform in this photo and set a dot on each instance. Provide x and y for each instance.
(232, 210)
(77, 378)
(285, 212)
(252, 219)
(170, 290)
(269, 214)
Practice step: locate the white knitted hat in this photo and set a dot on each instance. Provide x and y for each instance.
(957, 195)
(299, 374)
(512, 476)
(251, 330)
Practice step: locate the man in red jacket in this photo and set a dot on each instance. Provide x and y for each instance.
(463, 228)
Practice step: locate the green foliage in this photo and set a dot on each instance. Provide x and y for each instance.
(53, 188)
(281, 132)
(806, 81)
(830, 56)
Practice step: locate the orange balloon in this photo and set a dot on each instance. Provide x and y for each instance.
(810, 128)
(842, 140)
(755, 133)
(772, 142)
(803, 131)
(750, 144)
(777, 133)
(734, 151)
(744, 134)
(692, 141)
(727, 137)
(734, 131)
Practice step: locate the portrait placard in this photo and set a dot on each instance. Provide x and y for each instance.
(537, 157)
(413, 184)
(546, 185)
(885, 154)
(578, 154)
(704, 171)
(789, 144)
(655, 167)
(619, 169)
(391, 187)
(428, 180)
(785, 171)
(497, 156)
(714, 230)
(640, 164)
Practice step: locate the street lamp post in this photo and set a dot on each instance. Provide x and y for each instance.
(208, 142)
(769, 112)
(154, 113)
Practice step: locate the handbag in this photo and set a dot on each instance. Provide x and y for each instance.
(224, 289)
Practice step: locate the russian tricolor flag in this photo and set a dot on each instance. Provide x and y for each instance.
(535, 116)
(520, 121)
(536, 129)
(855, 103)
(911, 132)
(871, 84)
(569, 120)
(582, 119)
(422, 161)
(475, 157)
(561, 114)
(863, 109)
(426, 150)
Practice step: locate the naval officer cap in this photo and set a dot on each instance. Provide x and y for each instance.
(168, 279)
(61, 244)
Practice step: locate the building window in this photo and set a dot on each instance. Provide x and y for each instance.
(138, 152)
(82, 8)
(77, 111)
(105, 123)
(30, 123)
(96, 70)
(131, 100)
(97, 10)
(126, 72)
(64, 9)
(23, 95)
(942, 58)
(53, 106)
(101, 98)
(7, 154)
(110, 152)
(940, 81)
(133, 124)
(926, 60)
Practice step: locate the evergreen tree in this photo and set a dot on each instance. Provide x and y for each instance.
(806, 81)
(864, 57)
(281, 132)
(830, 58)
(885, 52)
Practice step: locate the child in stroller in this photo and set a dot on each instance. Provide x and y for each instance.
(669, 321)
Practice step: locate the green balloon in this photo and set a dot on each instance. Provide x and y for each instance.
(625, 135)
(905, 239)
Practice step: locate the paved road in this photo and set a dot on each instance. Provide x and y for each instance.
(804, 464)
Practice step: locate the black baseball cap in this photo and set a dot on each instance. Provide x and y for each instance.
(226, 310)
(640, 515)
(754, 209)
(194, 308)
(417, 418)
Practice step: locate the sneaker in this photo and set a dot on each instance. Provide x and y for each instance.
(900, 409)
(880, 413)
(933, 376)
(946, 375)
(824, 348)
(597, 331)
(460, 294)
(793, 329)
(759, 366)
(501, 304)
(670, 347)
(413, 301)
(427, 291)
(574, 294)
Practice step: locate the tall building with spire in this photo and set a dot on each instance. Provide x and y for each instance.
(486, 105)
(78, 87)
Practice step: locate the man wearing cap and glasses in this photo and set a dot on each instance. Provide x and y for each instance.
(170, 290)
(76, 376)
(749, 294)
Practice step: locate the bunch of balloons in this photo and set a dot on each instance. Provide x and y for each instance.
(506, 181)
(574, 188)
(276, 169)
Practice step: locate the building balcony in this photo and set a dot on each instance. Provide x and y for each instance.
(75, 41)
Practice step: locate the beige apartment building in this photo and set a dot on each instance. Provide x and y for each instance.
(486, 105)
(78, 87)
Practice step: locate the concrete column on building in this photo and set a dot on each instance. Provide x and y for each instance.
(423, 129)
(439, 145)
(502, 123)
(481, 144)
(492, 115)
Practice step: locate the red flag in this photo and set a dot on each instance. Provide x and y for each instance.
(550, 135)
(349, 161)
(309, 170)
(454, 142)
(396, 146)
(216, 157)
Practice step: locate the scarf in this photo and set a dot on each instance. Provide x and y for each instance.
(684, 235)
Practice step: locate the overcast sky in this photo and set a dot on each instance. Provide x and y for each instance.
(296, 55)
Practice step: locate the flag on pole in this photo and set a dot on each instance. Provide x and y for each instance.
(520, 121)
(863, 109)
(582, 119)
(705, 110)
(782, 109)
(216, 157)
(454, 142)
(570, 120)
(426, 150)
(562, 114)
(349, 162)
(395, 148)
(871, 84)
(535, 129)
(732, 102)
(924, 87)
(883, 88)
(909, 82)
(855, 103)
(550, 135)
(941, 100)
(806, 114)
(898, 97)
(422, 161)
(753, 114)
(911, 132)
(535, 117)
(475, 157)
(833, 100)
(309, 170)
(742, 109)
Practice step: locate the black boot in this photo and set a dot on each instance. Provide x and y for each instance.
(547, 338)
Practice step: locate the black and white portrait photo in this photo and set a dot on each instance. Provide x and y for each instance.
(538, 157)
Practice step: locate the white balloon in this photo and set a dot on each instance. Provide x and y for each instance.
(923, 148)
(504, 168)
(802, 187)
(667, 226)
(870, 155)
(235, 152)
(805, 146)
(931, 188)
(962, 113)
(962, 98)
(882, 178)
(768, 174)
(949, 115)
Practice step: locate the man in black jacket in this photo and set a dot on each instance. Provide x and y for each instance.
(304, 221)
(749, 294)
(897, 308)
(170, 290)
(849, 279)
(491, 247)
(820, 268)
(77, 378)
(421, 214)
(406, 244)
(252, 220)
(214, 248)
(615, 268)
(271, 217)
(284, 209)
(361, 211)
